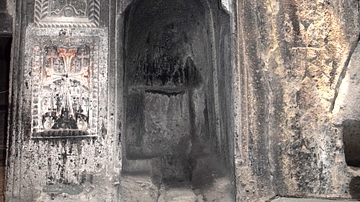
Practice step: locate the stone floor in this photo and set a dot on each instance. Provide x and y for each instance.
(306, 200)
(2, 198)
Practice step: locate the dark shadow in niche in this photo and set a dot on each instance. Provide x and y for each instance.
(170, 95)
(351, 137)
(5, 50)
(354, 188)
(167, 61)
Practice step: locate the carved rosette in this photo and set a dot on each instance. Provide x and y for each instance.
(65, 76)
(67, 13)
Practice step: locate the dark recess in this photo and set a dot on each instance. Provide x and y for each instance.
(351, 133)
(5, 50)
(354, 188)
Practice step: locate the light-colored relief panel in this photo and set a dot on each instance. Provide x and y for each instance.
(65, 86)
(67, 13)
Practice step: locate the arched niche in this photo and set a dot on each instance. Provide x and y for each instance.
(168, 65)
(176, 57)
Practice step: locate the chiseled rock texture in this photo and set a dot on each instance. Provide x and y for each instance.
(296, 55)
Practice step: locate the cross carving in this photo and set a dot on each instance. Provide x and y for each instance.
(66, 78)
(51, 57)
(83, 56)
(68, 56)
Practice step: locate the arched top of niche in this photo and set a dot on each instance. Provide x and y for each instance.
(168, 44)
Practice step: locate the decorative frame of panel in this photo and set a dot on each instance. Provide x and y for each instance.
(65, 76)
(67, 13)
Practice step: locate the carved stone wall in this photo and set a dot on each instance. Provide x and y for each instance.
(293, 56)
(66, 79)
(65, 85)
(269, 91)
(73, 13)
(62, 138)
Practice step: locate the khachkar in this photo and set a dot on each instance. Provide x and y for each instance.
(62, 144)
(64, 45)
(65, 77)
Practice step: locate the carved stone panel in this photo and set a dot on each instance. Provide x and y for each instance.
(65, 87)
(71, 13)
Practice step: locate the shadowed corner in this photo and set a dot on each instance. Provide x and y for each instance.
(351, 137)
(5, 44)
(354, 188)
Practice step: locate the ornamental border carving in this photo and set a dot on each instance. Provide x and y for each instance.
(67, 82)
(52, 13)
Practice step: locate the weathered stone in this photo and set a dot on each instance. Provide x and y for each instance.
(178, 100)
(294, 55)
(175, 194)
(138, 188)
(305, 200)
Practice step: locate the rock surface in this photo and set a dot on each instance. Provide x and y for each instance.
(305, 200)
(233, 100)
(295, 56)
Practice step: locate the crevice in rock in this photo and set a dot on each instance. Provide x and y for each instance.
(342, 75)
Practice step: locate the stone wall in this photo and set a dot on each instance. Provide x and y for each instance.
(62, 138)
(293, 58)
(100, 113)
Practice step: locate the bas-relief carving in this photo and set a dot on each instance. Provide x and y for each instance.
(76, 13)
(68, 8)
(66, 90)
(65, 87)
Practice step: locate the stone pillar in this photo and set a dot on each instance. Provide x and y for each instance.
(62, 136)
(295, 105)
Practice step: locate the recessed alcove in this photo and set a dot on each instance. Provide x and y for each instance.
(177, 127)
(351, 137)
(354, 187)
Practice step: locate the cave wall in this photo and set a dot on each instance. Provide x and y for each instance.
(285, 98)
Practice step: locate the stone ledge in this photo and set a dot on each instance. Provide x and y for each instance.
(308, 200)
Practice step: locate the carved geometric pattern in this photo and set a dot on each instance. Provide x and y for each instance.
(65, 87)
(67, 13)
